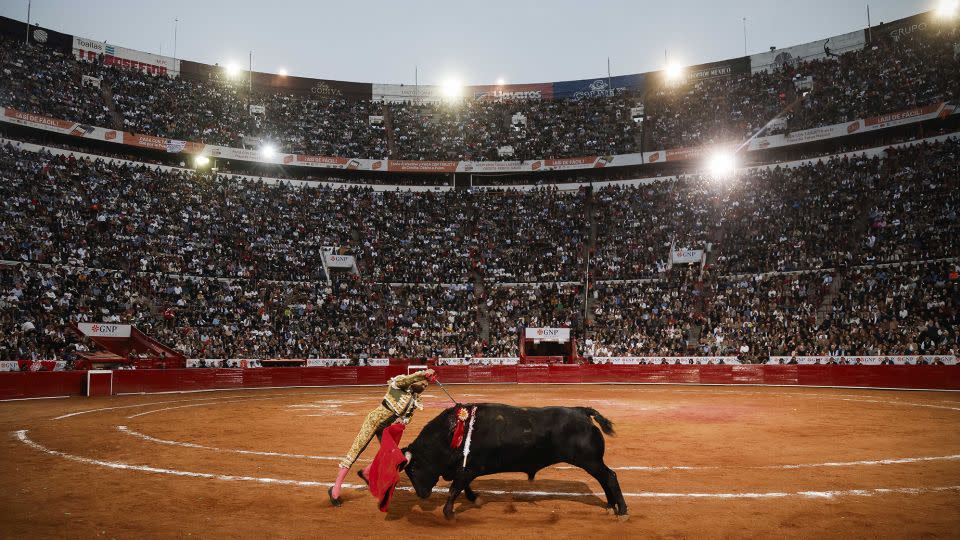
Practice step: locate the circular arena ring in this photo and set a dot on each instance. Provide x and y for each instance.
(692, 461)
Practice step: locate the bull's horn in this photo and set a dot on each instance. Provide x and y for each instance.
(408, 455)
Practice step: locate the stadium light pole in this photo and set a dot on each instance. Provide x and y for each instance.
(175, 21)
(29, 3)
(609, 85)
(744, 36)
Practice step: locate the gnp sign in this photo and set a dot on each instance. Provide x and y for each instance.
(104, 330)
(339, 261)
(548, 334)
(686, 256)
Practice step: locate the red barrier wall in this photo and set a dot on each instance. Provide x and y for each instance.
(65, 383)
(33, 384)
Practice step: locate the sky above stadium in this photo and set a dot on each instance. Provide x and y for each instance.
(475, 43)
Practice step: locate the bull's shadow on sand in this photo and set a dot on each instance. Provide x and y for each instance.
(406, 505)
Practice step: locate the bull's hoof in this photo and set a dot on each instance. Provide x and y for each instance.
(611, 510)
(623, 517)
(471, 496)
(449, 514)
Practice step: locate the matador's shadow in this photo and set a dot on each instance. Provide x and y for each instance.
(406, 504)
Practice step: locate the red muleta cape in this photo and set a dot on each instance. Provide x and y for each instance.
(385, 469)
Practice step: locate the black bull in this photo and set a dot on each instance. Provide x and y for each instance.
(511, 439)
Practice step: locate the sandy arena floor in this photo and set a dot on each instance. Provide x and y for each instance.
(692, 462)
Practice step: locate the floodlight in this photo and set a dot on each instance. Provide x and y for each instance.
(201, 161)
(722, 164)
(673, 71)
(947, 8)
(452, 89)
(501, 82)
(282, 72)
(268, 151)
(232, 69)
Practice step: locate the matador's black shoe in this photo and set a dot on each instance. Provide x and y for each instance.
(363, 477)
(335, 501)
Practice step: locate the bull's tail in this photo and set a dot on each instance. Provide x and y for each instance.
(606, 426)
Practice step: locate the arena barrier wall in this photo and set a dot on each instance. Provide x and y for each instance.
(40, 384)
(20, 385)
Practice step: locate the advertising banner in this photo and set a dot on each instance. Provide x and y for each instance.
(249, 363)
(909, 116)
(770, 60)
(510, 92)
(894, 30)
(636, 360)
(195, 70)
(478, 361)
(327, 362)
(900, 360)
(378, 362)
(339, 261)
(104, 329)
(400, 165)
(89, 50)
(37, 121)
(318, 161)
(713, 70)
(407, 93)
(205, 362)
(600, 87)
(710, 70)
(686, 256)
(315, 88)
(161, 143)
(324, 89)
(548, 334)
(673, 154)
(919, 114)
(38, 35)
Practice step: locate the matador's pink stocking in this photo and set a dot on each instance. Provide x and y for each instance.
(341, 475)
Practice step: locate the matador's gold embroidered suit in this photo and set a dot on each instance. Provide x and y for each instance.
(397, 406)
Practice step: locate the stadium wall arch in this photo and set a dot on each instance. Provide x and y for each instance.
(34, 385)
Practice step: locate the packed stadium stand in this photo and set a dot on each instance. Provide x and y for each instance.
(847, 253)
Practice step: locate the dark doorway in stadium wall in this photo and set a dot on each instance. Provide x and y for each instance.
(547, 346)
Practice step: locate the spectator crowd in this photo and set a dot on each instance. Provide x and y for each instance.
(846, 256)
(886, 76)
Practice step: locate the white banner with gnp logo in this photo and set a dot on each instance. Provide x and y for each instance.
(339, 261)
(104, 329)
(685, 256)
(548, 334)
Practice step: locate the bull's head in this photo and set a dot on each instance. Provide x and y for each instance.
(429, 456)
(421, 473)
